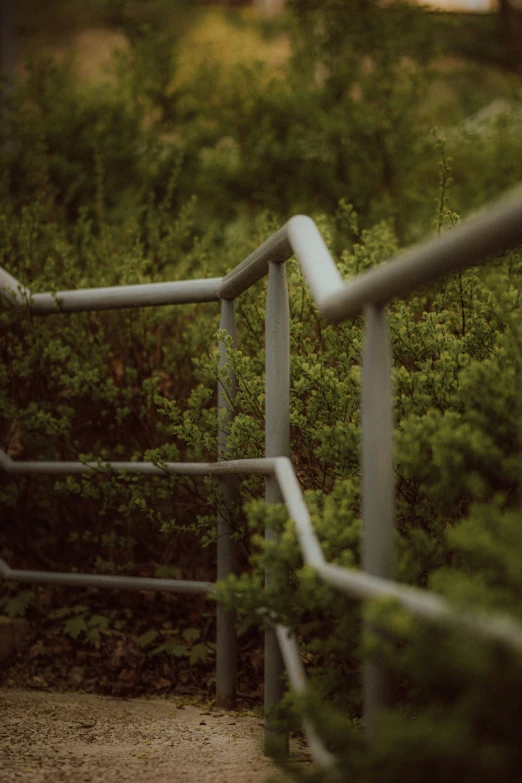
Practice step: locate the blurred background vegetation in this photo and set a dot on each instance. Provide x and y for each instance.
(160, 140)
(265, 111)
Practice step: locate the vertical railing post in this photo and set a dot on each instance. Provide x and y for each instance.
(277, 444)
(226, 635)
(377, 485)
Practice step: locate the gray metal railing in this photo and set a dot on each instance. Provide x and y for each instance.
(474, 241)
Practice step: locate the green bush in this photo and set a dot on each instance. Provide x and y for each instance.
(82, 386)
(97, 189)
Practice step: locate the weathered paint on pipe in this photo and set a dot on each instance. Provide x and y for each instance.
(258, 467)
(113, 298)
(11, 290)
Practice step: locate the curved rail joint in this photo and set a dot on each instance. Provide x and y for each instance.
(299, 237)
(490, 232)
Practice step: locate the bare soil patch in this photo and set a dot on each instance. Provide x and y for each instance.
(85, 738)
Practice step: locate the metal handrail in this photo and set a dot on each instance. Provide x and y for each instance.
(475, 240)
(486, 234)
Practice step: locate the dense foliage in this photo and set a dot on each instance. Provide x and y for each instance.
(153, 177)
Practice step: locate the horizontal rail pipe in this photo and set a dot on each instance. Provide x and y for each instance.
(112, 298)
(422, 603)
(259, 467)
(104, 581)
(490, 232)
(357, 584)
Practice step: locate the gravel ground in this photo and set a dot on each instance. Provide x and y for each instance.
(83, 738)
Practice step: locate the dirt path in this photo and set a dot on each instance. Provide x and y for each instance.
(50, 737)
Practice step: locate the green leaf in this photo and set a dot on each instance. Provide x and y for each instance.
(147, 638)
(17, 605)
(75, 626)
(198, 654)
(99, 621)
(177, 650)
(92, 636)
(59, 614)
(191, 634)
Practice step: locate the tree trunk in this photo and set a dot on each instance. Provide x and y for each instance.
(511, 28)
(7, 61)
(7, 39)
